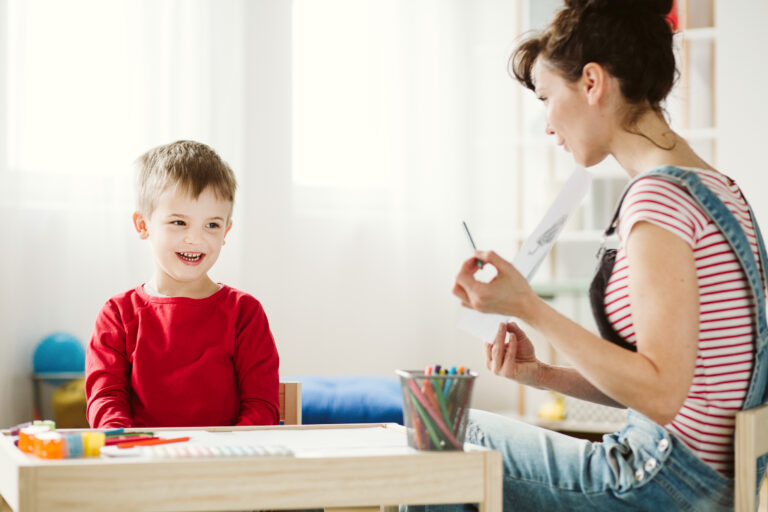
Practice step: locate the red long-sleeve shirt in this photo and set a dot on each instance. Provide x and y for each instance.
(177, 361)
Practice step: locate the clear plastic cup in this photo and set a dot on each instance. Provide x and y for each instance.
(435, 408)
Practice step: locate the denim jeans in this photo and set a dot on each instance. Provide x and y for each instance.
(642, 467)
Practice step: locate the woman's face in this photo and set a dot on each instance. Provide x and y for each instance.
(570, 117)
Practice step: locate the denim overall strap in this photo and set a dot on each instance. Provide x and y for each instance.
(757, 393)
(731, 229)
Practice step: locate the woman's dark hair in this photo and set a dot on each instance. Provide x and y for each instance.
(630, 38)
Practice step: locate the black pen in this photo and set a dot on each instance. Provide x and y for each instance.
(472, 243)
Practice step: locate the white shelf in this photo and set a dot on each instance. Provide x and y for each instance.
(699, 133)
(699, 34)
(566, 425)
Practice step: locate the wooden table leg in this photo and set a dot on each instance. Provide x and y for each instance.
(493, 484)
(353, 509)
(4, 507)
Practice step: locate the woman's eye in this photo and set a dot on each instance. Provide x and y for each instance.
(177, 222)
(542, 98)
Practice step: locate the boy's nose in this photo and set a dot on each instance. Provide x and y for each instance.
(192, 237)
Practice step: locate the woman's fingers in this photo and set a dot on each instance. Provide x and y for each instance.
(501, 354)
(498, 349)
(492, 258)
(466, 276)
(459, 291)
(514, 328)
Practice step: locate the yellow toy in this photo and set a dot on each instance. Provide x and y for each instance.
(553, 411)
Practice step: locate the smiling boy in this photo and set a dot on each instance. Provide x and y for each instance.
(181, 349)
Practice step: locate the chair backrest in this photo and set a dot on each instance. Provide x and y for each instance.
(290, 403)
(751, 443)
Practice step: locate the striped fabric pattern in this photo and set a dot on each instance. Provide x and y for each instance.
(706, 421)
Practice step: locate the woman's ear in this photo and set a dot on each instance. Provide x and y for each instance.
(141, 225)
(594, 79)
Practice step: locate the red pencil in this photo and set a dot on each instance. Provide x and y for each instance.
(150, 442)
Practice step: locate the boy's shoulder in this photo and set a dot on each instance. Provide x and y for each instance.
(126, 297)
(238, 297)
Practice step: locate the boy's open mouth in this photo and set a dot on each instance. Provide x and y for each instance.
(190, 257)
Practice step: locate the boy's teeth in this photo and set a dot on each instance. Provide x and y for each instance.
(190, 255)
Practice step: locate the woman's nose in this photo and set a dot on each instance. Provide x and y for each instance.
(548, 130)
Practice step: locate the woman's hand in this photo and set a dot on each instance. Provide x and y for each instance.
(512, 355)
(508, 293)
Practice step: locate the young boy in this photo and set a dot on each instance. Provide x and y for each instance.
(182, 350)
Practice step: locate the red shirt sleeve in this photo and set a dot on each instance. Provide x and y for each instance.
(107, 372)
(257, 366)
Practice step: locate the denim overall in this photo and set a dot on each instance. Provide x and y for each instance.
(643, 466)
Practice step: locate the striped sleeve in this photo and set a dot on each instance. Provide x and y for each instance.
(663, 204)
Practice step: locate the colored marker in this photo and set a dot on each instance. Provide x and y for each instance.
(127, 439)
(472, 243)
(152, 442)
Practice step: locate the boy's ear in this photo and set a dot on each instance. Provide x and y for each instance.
(141, 225)
(229, 226)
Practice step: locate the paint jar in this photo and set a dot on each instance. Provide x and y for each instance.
(27, 437)
(92, 443)
(73, 445)
(49, 445)
(435, 408)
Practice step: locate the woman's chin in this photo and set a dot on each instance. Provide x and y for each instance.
(588, 160)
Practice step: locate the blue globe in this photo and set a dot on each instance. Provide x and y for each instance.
(59, 352)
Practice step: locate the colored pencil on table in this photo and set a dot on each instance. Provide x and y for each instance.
(127, 439)
(152, 442)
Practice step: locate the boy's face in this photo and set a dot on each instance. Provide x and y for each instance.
(186, 236)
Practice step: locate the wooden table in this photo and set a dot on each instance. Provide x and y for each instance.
(335, 466)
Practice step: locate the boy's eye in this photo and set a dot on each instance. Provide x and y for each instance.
(213, 225)
(178, 223)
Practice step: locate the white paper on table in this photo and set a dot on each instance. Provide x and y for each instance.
(534, 250)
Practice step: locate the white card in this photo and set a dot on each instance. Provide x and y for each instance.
(534, 250)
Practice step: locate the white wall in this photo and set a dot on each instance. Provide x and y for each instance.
(742, 98)
(390, 276)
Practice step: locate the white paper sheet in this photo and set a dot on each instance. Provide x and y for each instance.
(534, 250)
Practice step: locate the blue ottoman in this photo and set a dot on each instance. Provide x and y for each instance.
(350, 399)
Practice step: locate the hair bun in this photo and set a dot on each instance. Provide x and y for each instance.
(660, 7)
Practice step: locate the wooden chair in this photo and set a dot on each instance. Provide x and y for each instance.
(751, 443)
(290, 403)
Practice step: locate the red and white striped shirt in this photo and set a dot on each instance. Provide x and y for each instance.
(705, 423)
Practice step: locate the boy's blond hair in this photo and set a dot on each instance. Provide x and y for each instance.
(191, 166)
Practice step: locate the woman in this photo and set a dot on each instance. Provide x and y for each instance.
(683, 298)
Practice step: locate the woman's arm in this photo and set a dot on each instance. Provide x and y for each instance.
(513, 356)
(663, 291)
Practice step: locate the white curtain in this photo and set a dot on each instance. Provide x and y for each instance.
(361, 132)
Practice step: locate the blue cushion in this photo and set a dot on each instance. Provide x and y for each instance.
(350, 399)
